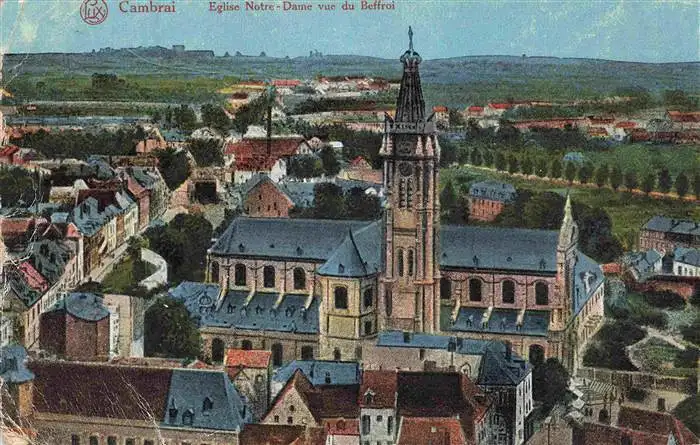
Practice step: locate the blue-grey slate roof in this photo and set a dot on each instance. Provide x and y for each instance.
(588, 277)
(687, 256)
(671, 225)
(467, 346)
(498, 248)
(493, 190)
(13, 368)
(187, 392)
(340, 373)
(83, 305)
(502, 321)
(308, 239)
(497, 370)
(359, 255)
(260, 314)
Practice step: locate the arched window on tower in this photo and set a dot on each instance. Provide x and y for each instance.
(399, 262)
(239, 275)
(445, 288)
(410, 262)
(541, 294)
(214, 272)
(299, 279)
(409, 193)
(402, 193)
(508, 291)
(269, 276)
(475, 289)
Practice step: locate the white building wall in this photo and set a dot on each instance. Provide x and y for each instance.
(379, 423)
(685, 270)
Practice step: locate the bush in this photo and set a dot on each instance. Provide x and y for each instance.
(608, 349)
(665, 300)
(687, 358)
(637, 394)
(649, 317)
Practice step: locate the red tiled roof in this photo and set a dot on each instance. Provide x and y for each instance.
(15, 226)
(286, 82)
(334, 401)
(72, 231)
(475, 109)
(600, 434)
(251, 154)
(88, 390)
(134, 187)
(434, 431)
(611, 268)
(626, 124)
(653, 422)
(32, 276)
(597, 131)
(500, 106)
(264, 434)
(382, 385)
(342, 427)
(679, 116)
(9, 150)
(440, 109)
(104, 197)
(601, 120)
(358, 161)
(247, 359)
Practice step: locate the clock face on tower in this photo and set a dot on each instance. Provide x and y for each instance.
(404, 146)
(405, 168)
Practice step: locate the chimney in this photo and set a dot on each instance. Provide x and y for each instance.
(508, 351)
(661, 404)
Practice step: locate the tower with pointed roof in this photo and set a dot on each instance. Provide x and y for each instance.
(566, 262)
(409, 290)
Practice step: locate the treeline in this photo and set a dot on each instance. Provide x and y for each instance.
(80, 144)
(338, 104)
(330, 202)
(313, 166)
(583, 172)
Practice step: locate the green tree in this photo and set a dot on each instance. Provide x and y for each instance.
(133, 250)
(456, 118)
(185, 118)
(207, 152)
(615, 178)
(526, 166)
(541, 168)
(488, 158)
(170, 331)
(550, 382)
(585, 172)
(362, 206)
(570, 172)
(513, 165)
(648, 183)
(687, 412)
(252, 113)
(174, 166)
(665, 181)
(476, 158)
(696, 185)
(215, 117)
(601, 175)
(452, 210)
(329, 202)
(448, 152)
(682, 184)
(555, 169)
(305, 166)
(544, 211)
(500, 161)
(329, 161)
(630, 180)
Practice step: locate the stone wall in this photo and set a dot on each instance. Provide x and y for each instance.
(648, 381)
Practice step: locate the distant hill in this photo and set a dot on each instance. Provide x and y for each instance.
(454, 81)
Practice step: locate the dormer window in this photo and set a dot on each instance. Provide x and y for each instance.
(188, 417)
(207, 405)
(172, 415)
(327, 377)
(369, 397)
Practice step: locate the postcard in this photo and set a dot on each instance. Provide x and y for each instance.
(349, 222)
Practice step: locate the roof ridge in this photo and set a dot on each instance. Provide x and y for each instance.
(357, 251)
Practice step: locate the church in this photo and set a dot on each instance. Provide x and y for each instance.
(310, 289)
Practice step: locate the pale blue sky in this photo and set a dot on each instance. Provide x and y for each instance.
(647, 31)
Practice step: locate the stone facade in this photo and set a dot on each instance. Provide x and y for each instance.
(265, 200)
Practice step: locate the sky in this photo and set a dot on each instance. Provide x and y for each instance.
(644, 31)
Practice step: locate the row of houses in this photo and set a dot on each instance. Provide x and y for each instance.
(52, 247)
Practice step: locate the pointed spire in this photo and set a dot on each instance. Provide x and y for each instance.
(410, 106)
(567, 208)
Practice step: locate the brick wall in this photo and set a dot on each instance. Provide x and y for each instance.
(266, 201)
(52, 332)
(86, 340)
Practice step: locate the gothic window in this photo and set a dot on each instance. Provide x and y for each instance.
(388, 302)
(269, 276)
(187, 417)
(368, 298)
(172, 415)
(508, 291)
(409, 193)
(475, 289)
(217, 350)
(277, 354)
(207, 405)
(336, 355)
(340, 296)
(410, 262)
(445, 288)
(239, 275)
(215, 272)
(399, 262)
(368, 327)
(366, 424)
(307, 353)
(299, 279)
(402, 193)
(541, 294)
(536, 355)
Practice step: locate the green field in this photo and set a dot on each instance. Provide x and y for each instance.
(628, 212)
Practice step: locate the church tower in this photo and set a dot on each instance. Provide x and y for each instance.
(566, 262)
(410, 287)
